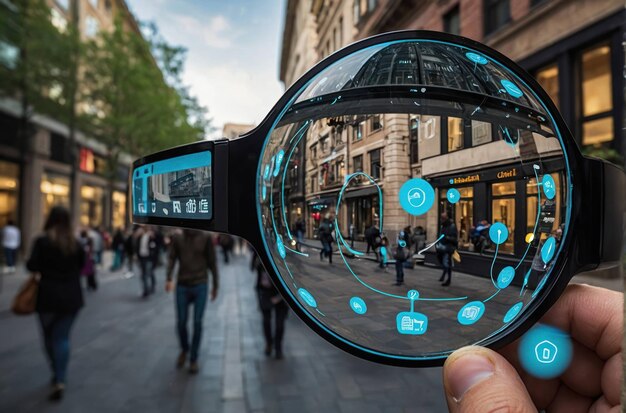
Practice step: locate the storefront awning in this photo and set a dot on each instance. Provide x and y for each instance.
(370, 190)
(321, 201)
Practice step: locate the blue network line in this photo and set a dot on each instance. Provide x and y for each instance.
(536, 220)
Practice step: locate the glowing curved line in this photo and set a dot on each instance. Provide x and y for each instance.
(492, 295)
(536, 220)
(297, 252)
(429, 246)
(495, 255)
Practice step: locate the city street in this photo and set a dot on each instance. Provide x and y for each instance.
(124, 350)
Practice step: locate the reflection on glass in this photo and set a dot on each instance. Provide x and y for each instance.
(503, 210)
(455, 134)
(481, 132)
(548, 78)
(599, 131)
(596, 80)
(55, 190)
(91, 206)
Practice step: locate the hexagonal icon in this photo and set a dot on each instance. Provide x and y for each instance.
(545, 351)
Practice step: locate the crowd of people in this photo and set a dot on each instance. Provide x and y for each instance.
(61, 258)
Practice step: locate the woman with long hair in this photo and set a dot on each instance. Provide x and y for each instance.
(58, 258)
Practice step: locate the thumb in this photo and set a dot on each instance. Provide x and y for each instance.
(477, 379)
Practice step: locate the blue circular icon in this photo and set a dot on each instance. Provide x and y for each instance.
(280, 246)
(266, 172)
(307, 297)
(413, 295)
(471, 313)
(547, 250)
(513, 312)
(402, 243)
(453, 195)
(279, 159)
(358, 305)
(264, 192)
(476, 58)
(416, 196)
(549, 188)
(545, 351)
(498, 232)
(511, 88)
(505, 277)
(451, 181)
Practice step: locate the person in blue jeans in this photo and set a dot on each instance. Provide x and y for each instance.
(195, 254)
(58, 259)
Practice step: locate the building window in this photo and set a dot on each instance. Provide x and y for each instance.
(314, 153)
(9, 185)
(91, 27)
(91, 206)
(503, 210)
(461, 213)
(9, 55)
(357, 131)
(531, 203)
(451, 21)
(413, 138)
(118, 212)
(324, 143)
(377, 123)
(55, 190)
(356, 10)
(496, 14)
(371, 5)
(340, 33)
(94, 3)
(357, 161)
(455, 134)
(64, 4)
(481, 132)
(548, 78)
(375, 165)
(429, 138)
(596, 99)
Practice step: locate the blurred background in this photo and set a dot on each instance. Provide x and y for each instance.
(87, 86)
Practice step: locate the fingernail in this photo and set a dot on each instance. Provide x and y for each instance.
(467, 371)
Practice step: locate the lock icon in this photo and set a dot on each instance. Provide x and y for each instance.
(546, 351)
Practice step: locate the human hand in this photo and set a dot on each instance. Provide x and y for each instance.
(213, 294)
(169, 286)
(477, 379)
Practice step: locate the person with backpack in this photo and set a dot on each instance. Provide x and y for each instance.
(195, 254)
(326, 237)
(446, 247)
(400, 255)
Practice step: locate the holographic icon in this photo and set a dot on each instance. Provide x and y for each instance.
(513, 312)
(411, 322)
(505, 277)
(453, 195)
(264, 192)
(307, 297)
(549, 188)
(416, 196)
(266, 172)
(176, 207)
(357, 304)
(280, 246)
(476, 58)
(511, 88)
(471, 313)
(546, 352)
(548, 249)
(498, 232)
(279, 159)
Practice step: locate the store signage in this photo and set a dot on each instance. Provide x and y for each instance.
(465, 179)
(510, 173)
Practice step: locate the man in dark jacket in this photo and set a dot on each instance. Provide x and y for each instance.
(446, 247)
(195, 254)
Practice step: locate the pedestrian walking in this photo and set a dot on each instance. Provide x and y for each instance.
(195, 254)
(129, 248)
(98, 244)
(446, 247)
(89, 268)
(300, 228)
(326, 238)
(146, 251)
(372, 238)
(400, 255)
(117, 245)
(11, 241)
(58, 258)
(227, 243)
(270, 301)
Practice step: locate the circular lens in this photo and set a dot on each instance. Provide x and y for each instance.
(413, 198)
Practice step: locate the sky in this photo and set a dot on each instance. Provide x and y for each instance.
(233, 52)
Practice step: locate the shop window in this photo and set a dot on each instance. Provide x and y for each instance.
(91, 206)
(375, 164)
(455, 134)
(377, 123)
(481, 132)
(531, 202)
(451, 21)
(429, 138)
(55, 190)
(413, 138)
(9, 184)
(597, 103)
(461, 213)
(548, 78)
(496, 14)
(503, 210)
(118, 212)
(358, 163)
